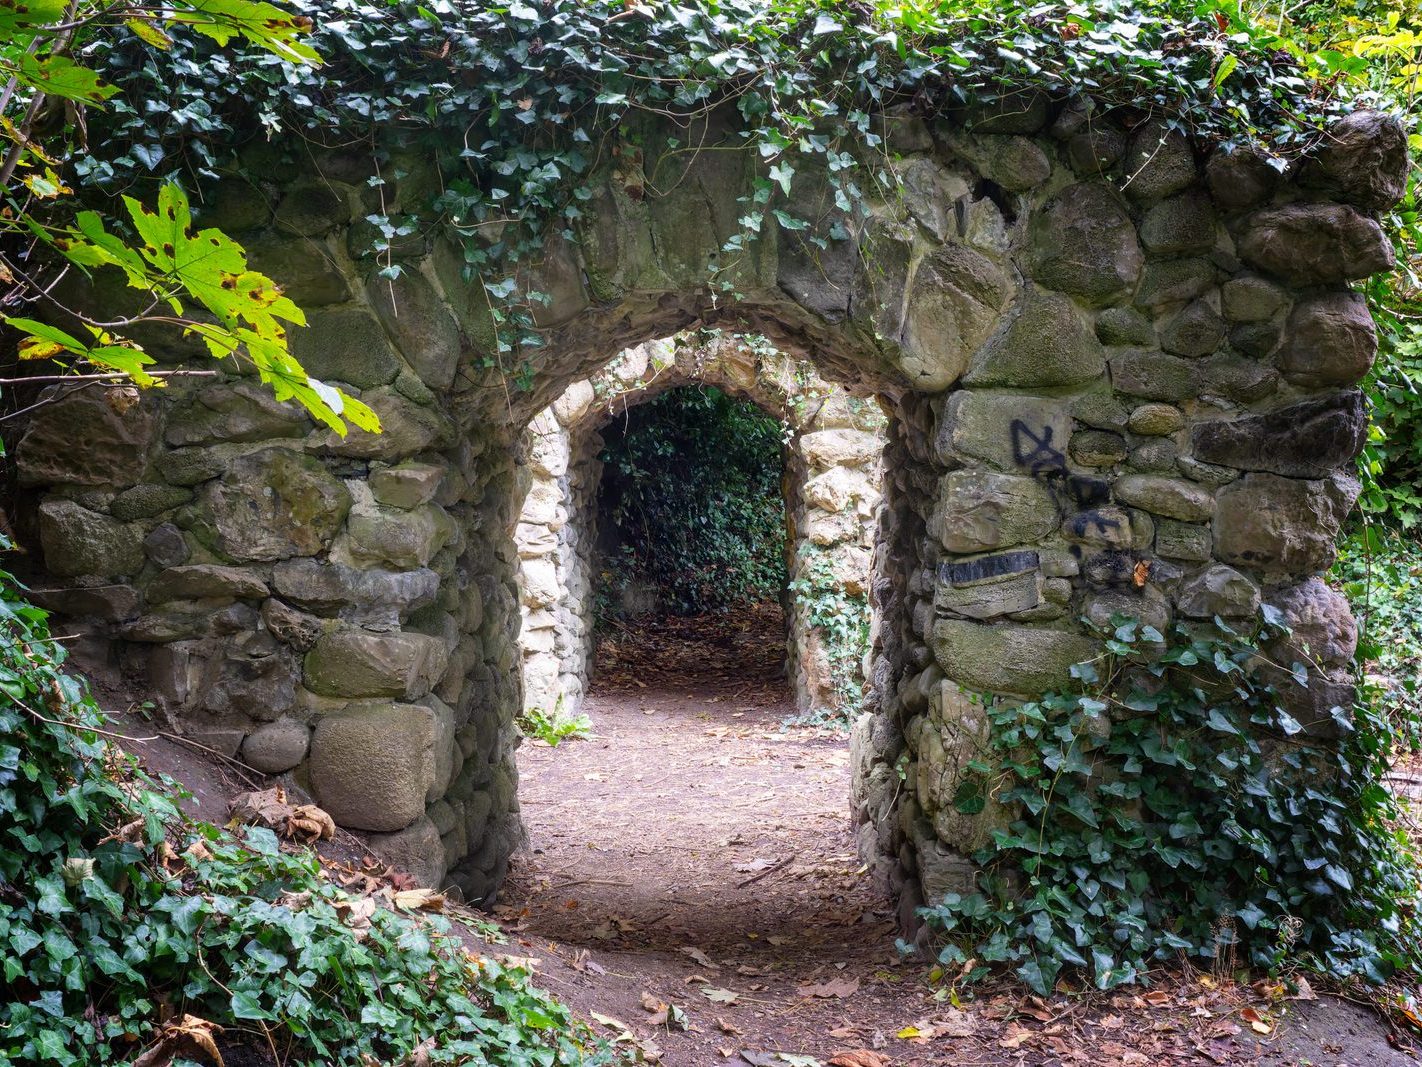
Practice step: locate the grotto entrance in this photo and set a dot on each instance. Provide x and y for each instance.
(701, 475)
(715, 497)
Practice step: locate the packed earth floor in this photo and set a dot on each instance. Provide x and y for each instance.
(691, 883)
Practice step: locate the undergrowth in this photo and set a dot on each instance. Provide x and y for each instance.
(554, 726)
(1380, 570)
(1167, 805)
(118, 913)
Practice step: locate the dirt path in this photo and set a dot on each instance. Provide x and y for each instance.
(696, 853)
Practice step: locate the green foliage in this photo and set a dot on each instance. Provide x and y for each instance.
(1381, 573)
(691, 488)
(242, 310)
(1168, 804)
(841, 619)
(114, 908)
(555, 726)
(519, 102)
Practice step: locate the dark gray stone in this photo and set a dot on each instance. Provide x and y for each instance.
(1084, 243)
(1158, 163)
(166, 546)
(311, 210)
(345, 345)
(1282, 525)
(1195, 331)
(330, 588)
(1241, 178)
(1362, 160)
(1181, 226)
(202, 580)
(423, 329)
(1252, 299)
(1311, 439)
(1098, 448)
(1329, 341)
(1315, 244)
(305, 270)
(1322, 624)
(236, 411)
(276, 747)
(1218, 590)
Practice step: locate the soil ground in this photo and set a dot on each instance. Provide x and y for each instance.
(691, 887)
(699, 852)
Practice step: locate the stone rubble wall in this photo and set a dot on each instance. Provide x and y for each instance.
(832, 490)
(1120, 372)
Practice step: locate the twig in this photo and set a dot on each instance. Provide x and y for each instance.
(242, 769)
(587, 881)
(106, 376)
(784, 861)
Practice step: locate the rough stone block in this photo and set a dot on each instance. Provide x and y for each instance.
(1329, 341)
(145, 501)
(1181, 226)
(80, 439)
(205, 580)
(239, 411)
(1252, 299)
(1315, 244)
(1218, 590)
(1084, 243)
(991, 597)
(1011, 431)
(371, 765)
(1182, 540)
(333, 587)
(78, 541)
(276, 747)
(1324, 630)
(956, 300)
(1047, 342)
(979, 510)
(1195, 331)
(1155, 420)
(1311, 439)
(1274, 524)
(345, 345)
(273, 504)
(1361, 160)
(353, 663)
(420, 323)
(1171, 497)
(1021, 660)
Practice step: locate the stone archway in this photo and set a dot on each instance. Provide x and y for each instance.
(1118, 373)
(832, 493)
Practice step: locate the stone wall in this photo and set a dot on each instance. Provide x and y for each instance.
(1119, 371)
(834, 444)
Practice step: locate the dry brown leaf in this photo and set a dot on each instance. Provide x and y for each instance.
(269, 808)
(859, 1057)
(1157, 998)
(835, 987)
(728, 1027)
(419, 900)
(186, 1037)
(699, 956)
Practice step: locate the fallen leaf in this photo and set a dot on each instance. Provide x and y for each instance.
(651, 1003)
(1257, 1022)
(728, 1027)
(859, 1057)
(186, 1037)
(717, 995)
(835, 987)
(419, 900)
(699, 956)
(1157, 998)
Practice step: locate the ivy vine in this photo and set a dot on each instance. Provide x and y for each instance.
(519, 103)
(1168, 804)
